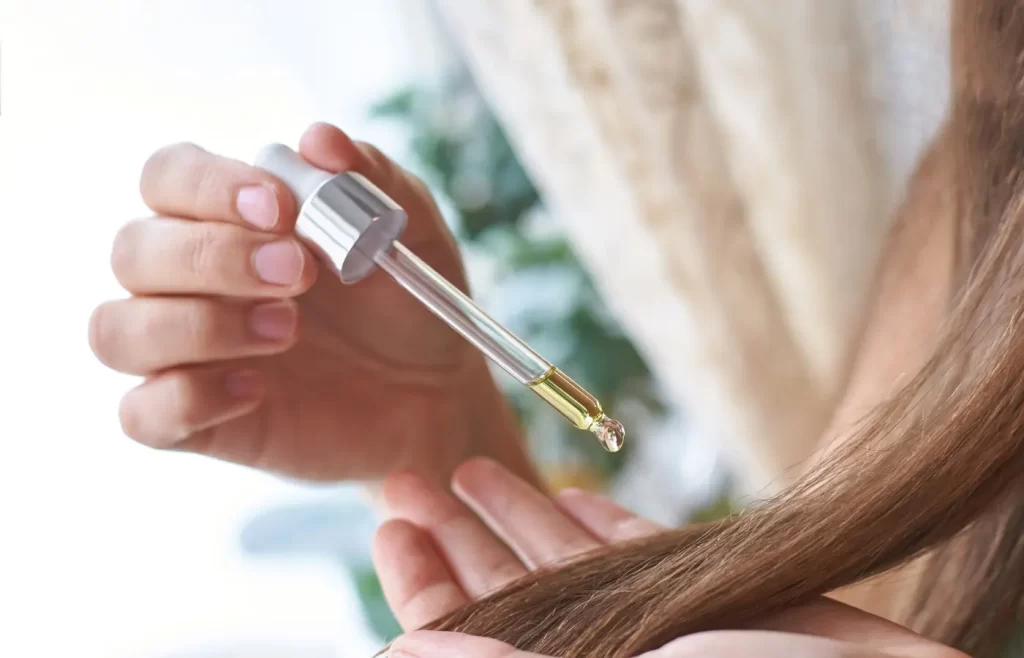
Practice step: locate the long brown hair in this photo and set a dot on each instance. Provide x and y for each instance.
(936, 471)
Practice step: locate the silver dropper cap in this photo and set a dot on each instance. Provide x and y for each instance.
(355, 227)
(344, 218)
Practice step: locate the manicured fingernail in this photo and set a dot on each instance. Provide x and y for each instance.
(279, 263)
(244, 384)
(272, 321)
(258, 206)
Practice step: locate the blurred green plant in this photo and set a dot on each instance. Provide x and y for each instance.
(719, 508)
(337, 528)
(460, 150)
(375, 606)
(539, 288)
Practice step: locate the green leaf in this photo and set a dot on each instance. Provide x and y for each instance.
(721, 508)
(475, 168)
(398, 106)
(528, 255)
(378, 614)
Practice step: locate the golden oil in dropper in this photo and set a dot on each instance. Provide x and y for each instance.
(355, 227)
(580, 408)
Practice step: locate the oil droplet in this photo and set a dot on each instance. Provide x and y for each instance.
(610, 433)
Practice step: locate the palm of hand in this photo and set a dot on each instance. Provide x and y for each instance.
(335, 389)
(248, 356)
(442, 552)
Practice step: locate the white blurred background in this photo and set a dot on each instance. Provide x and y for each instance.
(108, 549)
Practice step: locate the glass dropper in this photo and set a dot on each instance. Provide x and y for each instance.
(500, 345)
(354, 227)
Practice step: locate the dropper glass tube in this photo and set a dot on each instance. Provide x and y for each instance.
(500, 345)
(353, 227)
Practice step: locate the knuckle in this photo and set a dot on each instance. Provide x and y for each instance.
(148, 322)
(202, 253)
(201, 326)
(191, 326)
(163, 161)
(155, 327)
(207, 182)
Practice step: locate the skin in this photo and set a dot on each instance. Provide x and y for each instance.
(440, 551)
(912, 297)
(251, 354)
(911, 300)
(292, 373)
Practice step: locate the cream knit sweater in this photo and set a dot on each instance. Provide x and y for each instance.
(727, 169)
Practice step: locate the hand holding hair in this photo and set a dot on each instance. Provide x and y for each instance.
(931, 476)
(246, 356)
(441, 551)
(716, 644)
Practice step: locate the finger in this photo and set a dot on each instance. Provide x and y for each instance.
(478, 559)
(604, 519)
(187, 402)
(143, 335)
(174, 256)
(740, 644)
(330, 149)
(827, 618)
(184, 180)
(417, 584)
(432, 644)
(530, 523)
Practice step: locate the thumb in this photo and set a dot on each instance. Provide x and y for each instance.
(432, 644)
(330, 149)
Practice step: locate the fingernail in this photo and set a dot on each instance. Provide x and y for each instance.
(258, 206)
(273, 321)
(401, 654)
(244, 384)
(279, 263)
